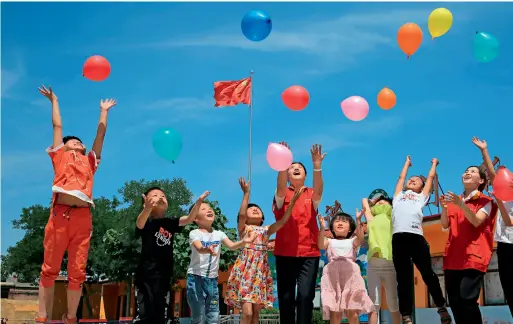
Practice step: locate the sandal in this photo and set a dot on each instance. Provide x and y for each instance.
(41, 320)
(445, 317)
(67, 320)
(407, 320)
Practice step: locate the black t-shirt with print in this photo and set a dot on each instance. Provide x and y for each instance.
(157, 248)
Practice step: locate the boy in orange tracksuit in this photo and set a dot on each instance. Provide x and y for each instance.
(70, 224)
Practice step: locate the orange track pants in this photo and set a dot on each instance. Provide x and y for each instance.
(68, 228)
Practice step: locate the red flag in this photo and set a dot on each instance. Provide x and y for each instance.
(232, 93)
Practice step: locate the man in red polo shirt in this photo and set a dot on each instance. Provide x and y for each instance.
(470, 219)
(296, 251)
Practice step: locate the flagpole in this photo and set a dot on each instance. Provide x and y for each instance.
(250, 128)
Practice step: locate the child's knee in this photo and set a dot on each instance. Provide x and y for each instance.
(352, 315)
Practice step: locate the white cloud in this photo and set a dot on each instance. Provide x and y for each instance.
(16, 164)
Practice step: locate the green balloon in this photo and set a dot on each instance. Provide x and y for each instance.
(167, 143)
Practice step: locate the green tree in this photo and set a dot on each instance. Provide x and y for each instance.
(121, 249)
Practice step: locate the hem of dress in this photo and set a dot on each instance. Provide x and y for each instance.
(238, 303)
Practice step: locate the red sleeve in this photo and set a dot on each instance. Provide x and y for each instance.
(93, 161)
(55, 153)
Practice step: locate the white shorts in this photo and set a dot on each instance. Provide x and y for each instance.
(379, 270)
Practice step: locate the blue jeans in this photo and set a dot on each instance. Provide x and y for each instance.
(203, 299)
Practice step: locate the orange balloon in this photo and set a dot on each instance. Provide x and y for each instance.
(386, 99)
(409, 38)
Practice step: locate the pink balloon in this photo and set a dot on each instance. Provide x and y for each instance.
(279, 157)
(355, 108)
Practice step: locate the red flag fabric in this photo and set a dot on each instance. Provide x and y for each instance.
(232, 93)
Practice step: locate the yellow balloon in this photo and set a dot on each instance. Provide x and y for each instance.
(439, 22)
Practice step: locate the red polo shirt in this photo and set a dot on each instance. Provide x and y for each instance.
(470, 247)
(298, 237)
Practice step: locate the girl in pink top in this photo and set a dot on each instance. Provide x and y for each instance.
(343, 290)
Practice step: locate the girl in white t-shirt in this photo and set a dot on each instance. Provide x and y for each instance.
(408, 242)
(503, 231)
(202, 285)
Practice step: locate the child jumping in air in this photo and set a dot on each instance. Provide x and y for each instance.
(342, 285)
(153, 275)
(380, 267)
(70, 223)
(250, 285)
(409, 244)
(202, 290)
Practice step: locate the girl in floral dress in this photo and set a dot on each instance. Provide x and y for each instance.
(250, 285)
(343, 289)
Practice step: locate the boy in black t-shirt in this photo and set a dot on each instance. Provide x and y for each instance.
(152, 279)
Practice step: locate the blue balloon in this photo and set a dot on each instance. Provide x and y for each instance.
(256, 25)
(167, 143)
(486, 47)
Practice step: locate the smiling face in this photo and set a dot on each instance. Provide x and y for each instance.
(342, 226)
(415, 184)
(206, 215)
(254, 215)
(473, 178)
(296, 174)
(74, 144)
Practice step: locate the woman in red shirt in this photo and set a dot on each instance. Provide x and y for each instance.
(470, 219)
(296, 251)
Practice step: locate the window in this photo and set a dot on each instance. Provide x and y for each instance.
(493, 294)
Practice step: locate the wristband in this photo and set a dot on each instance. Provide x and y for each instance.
(317, 170)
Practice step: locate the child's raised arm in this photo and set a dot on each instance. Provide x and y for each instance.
(360, 234)
(187, 219)
(483, 147)
(430, 178)
(279, 224)
(105, 105)
(402, 177)
(367, 210)
(318, 182)
(322, 241)
(56, 115)
(243, 211)
(149, 203)
(249, 238)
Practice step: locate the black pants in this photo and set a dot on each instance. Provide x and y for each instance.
(408, 248)
(153, 298)
(303, 272)
(463, 289)
(505, 259)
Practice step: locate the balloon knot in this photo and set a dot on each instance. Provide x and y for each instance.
(477, 32)
(173, 162)
(433, 38)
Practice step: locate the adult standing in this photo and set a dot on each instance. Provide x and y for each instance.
(503, 231)
(296, 251)
(470, 219)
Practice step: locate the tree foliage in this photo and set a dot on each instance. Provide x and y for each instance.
(115, 250)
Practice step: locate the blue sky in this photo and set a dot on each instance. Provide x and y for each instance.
(165, 57)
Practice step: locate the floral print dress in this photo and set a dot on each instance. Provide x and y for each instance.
(250, 280)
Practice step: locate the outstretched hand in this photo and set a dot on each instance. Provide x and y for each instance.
(285, 144)
(359, 213)
(453, 198)
(203, 196)
(322, 223)
(481, 144)
(297, 194)
(244, 185)
(48, 93)
(317, 155)
(250, 237)
(212, 249)
(107, 104)
(150, 202)
(408, 160)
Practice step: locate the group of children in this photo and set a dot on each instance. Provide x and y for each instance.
(396, 242)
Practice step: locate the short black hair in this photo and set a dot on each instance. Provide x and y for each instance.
(482, 175)
(65, 139)
(150, 189)
(387, 199)
(254, 205)
(302, 165)
(346, 217)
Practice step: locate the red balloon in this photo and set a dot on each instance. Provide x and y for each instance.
(96, 68)
(502, 185)
(295, 98)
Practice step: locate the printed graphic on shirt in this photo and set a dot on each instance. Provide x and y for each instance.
(210, 243)
(415, 225)
(164, 237)
(410, 196)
